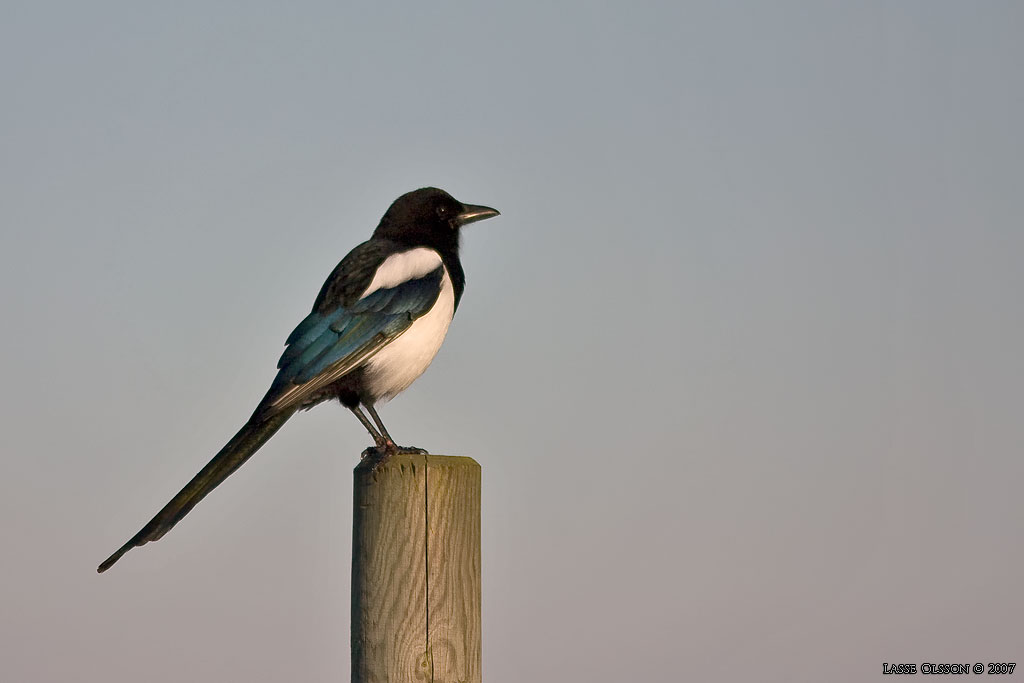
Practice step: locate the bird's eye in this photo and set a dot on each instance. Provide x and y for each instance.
(442, 211)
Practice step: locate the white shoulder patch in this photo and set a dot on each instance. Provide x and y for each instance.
(402, 267)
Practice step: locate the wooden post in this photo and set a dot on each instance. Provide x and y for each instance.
(416, 571)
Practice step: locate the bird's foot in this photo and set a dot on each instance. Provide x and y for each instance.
(375, 456)
(383, 451)
(382, 448)
(389, 447)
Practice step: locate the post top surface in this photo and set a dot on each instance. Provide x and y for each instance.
(407, 461)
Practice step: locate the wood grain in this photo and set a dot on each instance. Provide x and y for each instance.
(416, 571)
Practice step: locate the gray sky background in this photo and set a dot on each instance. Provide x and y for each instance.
(741, 359)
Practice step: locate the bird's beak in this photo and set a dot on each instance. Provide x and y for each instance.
(471, 213)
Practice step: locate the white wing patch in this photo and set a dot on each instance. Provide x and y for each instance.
(392, 369)
(402, 267)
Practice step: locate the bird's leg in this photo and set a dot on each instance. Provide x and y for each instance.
(391, 446)
(381, 441)
(380, 425)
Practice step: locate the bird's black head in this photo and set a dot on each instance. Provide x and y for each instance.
(429, 217)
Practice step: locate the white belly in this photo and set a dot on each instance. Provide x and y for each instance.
(392, 369)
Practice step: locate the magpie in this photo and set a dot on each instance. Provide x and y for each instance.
(376, 325)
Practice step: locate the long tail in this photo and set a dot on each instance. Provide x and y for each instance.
(247, 441)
